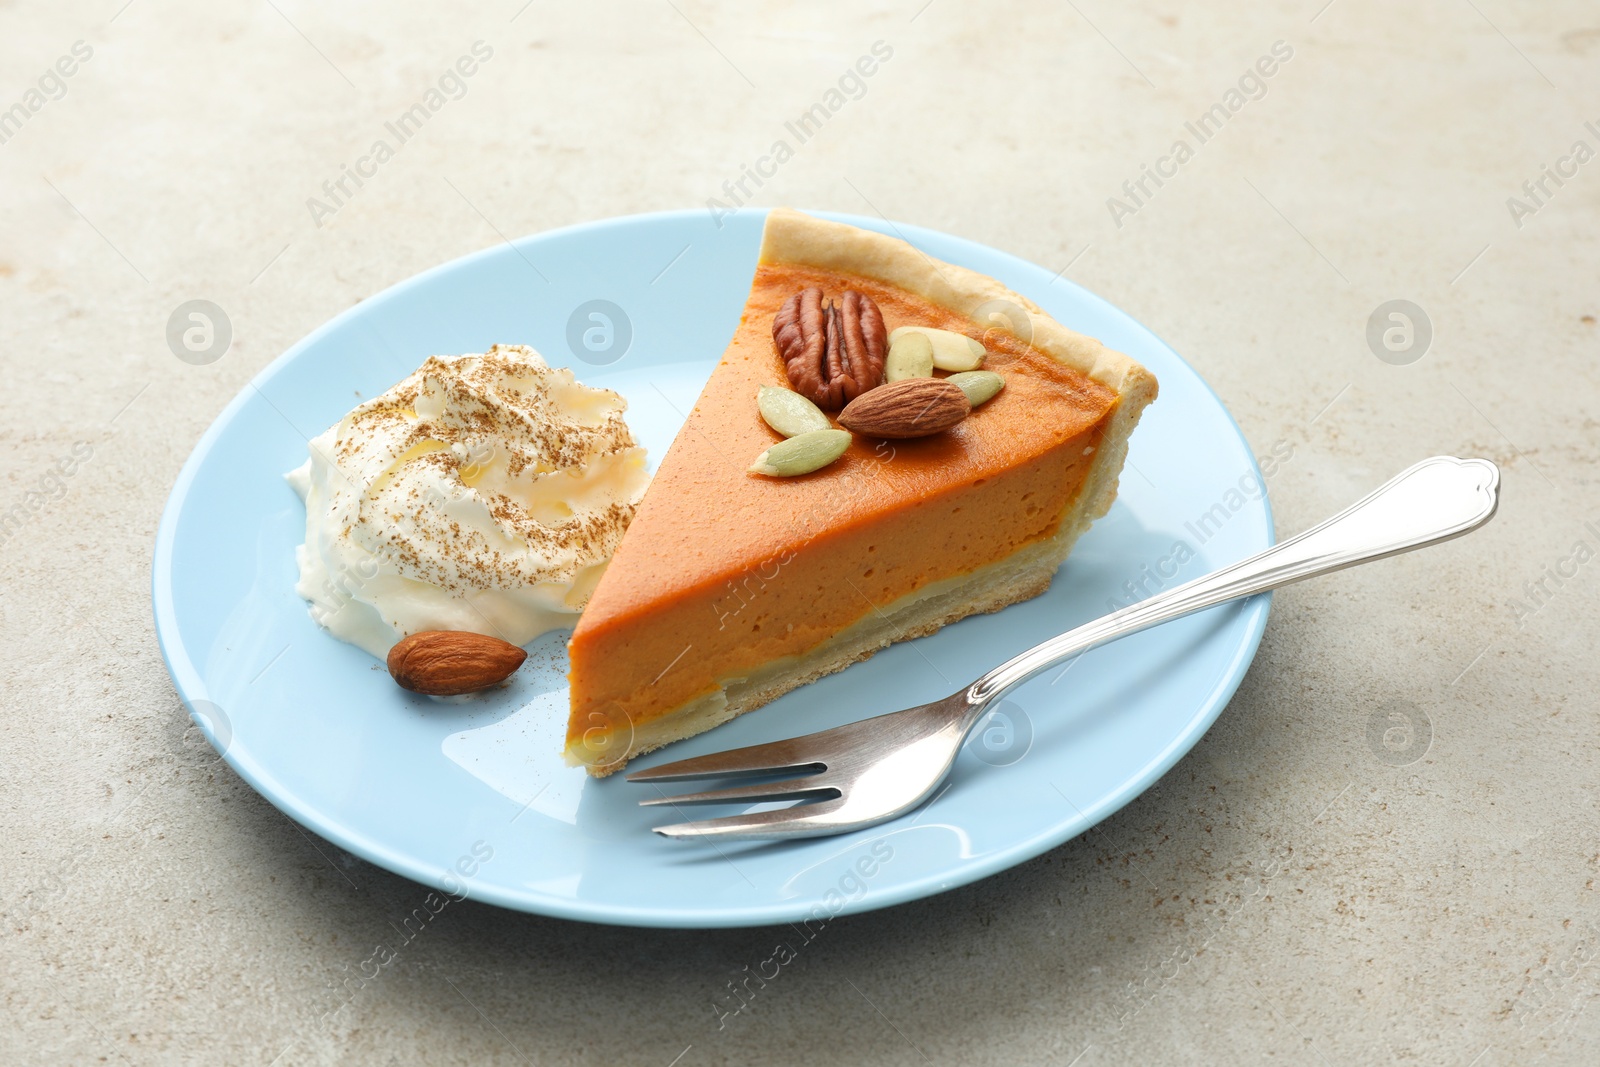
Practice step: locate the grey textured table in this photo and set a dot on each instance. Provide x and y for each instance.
(1385, 850)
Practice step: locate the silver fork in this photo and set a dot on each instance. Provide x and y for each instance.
(874, 770)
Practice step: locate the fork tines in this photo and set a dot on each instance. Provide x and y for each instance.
(794, 780)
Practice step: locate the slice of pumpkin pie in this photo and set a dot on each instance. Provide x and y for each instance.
(731, 587)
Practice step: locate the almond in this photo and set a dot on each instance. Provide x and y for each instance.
(910, 356)
(446, 663)
(911, 407)
(951, 350)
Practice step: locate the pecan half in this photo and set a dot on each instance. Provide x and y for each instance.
(832, 353)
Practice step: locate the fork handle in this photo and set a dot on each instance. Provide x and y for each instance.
(1433, 501)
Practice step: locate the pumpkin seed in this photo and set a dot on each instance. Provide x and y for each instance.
(979, 385)
(802, 453)
(788, 412)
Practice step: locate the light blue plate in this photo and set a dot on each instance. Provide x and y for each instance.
(430, 789)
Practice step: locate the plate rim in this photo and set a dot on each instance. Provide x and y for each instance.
(189, 687)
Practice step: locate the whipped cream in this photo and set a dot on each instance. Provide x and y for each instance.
(483, 493)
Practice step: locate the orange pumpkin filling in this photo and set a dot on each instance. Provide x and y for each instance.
(724, 573)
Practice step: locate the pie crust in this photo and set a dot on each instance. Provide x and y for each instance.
(976, 542)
